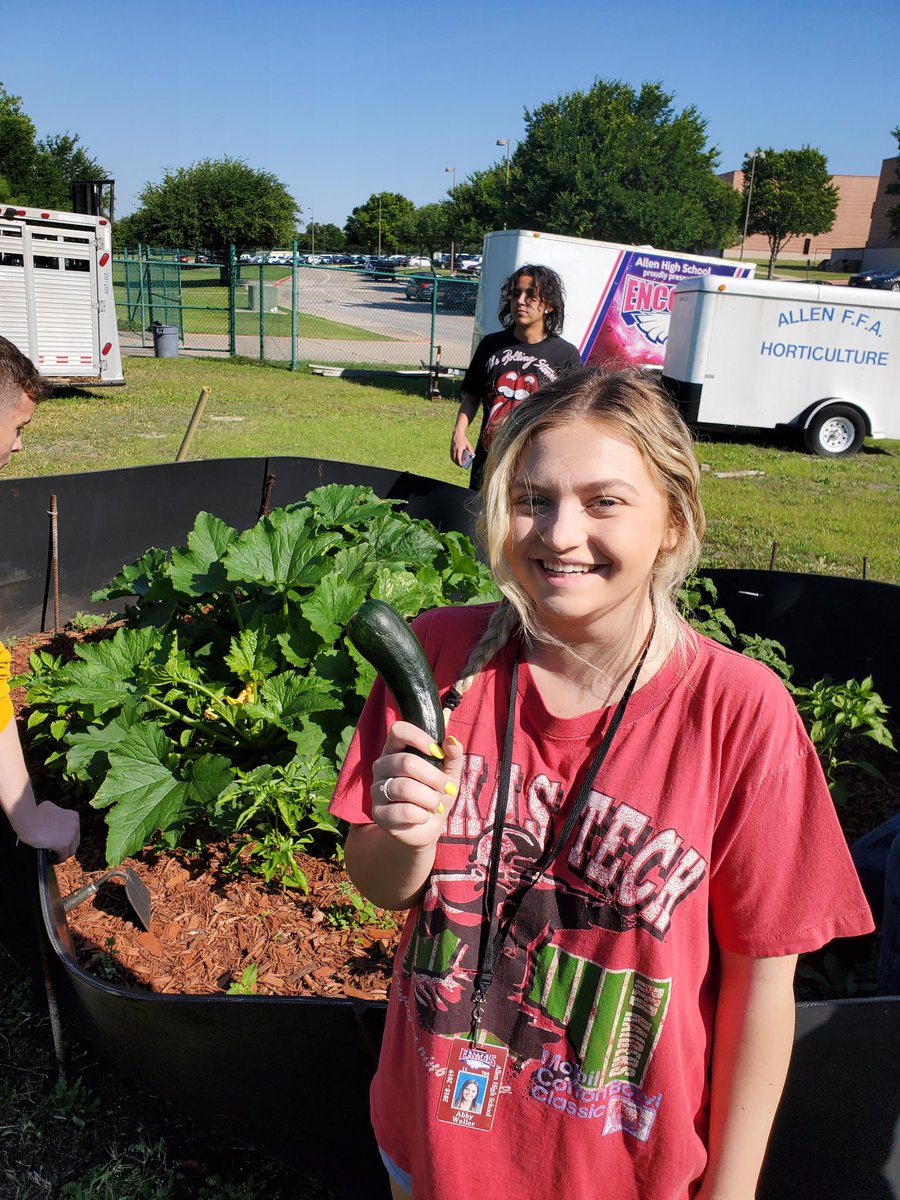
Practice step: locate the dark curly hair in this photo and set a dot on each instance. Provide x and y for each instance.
(18, 374)
(548, 286)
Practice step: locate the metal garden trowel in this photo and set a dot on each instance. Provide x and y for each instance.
(136, 892)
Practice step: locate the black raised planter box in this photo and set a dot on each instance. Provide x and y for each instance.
(291, 1075)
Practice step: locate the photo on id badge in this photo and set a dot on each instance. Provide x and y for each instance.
(471, 1085)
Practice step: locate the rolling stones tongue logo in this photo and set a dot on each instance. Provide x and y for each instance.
(512, 389)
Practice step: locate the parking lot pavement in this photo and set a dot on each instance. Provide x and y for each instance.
(380, 307)
(346, 297)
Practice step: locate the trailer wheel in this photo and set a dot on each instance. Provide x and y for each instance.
(835, 432)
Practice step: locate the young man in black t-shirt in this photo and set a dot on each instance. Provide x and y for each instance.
(509, 366)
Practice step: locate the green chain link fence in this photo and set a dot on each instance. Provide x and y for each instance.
(280, 308)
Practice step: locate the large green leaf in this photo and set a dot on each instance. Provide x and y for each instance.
(251, 654)
(135, 579)
(285, 698)
(331, 606)
(357, 564)
(336, 505)
(280, 552)
(395, 538)
(209, 776)
(104, 675)
(199, 569)
(87, 757)
(408, 593)
(144, 793)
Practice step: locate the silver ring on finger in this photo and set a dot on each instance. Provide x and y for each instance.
(383, 788)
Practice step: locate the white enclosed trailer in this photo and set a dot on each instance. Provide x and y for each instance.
(618, 297)
(56, 294)
(818, 358)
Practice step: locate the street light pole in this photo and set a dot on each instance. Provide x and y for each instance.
(505, 142)
(754, 156)
(452, 173)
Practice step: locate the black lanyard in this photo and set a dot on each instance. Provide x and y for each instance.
(491, 941)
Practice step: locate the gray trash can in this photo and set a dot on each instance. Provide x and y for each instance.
(165, 340)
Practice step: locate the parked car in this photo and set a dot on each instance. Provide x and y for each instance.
(418, 262)
(886, 281)
(469, 263)
(459, 295)
(381, 268)
(420, 287)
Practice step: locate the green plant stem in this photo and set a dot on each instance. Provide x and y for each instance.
(236, 610)
(201, 726)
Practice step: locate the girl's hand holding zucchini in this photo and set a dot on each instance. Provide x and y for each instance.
(412, 786)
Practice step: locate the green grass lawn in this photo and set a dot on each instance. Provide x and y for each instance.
(308, 326)
(826, 515)
(796, 272)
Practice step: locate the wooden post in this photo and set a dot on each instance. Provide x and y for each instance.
(54, 558)
(192, 425)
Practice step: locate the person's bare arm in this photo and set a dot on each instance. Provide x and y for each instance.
(390, 861)
(459, 441)
(751, 1050)
(44, 826)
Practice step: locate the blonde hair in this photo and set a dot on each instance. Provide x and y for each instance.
(631, 404)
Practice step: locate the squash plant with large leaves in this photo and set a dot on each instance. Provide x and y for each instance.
(229, 695)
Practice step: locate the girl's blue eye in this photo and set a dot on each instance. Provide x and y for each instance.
(529, 503)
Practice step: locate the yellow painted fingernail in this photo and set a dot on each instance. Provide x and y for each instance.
(449, 788)
(435, 751)
(455, 741)
(440, 807)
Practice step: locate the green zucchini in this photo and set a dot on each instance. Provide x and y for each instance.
(384, 639)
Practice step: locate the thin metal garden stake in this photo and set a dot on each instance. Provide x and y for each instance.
(192, 424)
(266, 495)
(773, 556)
(54, 558)
(56, 1029)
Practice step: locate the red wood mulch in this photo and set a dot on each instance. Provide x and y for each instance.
(206, 928)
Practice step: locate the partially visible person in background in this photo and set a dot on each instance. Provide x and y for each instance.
(44, 825)
(511, 365)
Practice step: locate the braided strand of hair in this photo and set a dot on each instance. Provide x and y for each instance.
(500, 628)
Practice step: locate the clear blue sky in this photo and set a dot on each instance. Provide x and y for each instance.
(344, 99)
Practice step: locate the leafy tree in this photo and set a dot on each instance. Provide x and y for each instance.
(622, 165)
(385, 221)
(894, 190)
(480, 204)
(432, 226)
(128, 232)
(60, 161)
(38, 172)
(17, 149)
(215, 204)
(792, 194)
(321, 239)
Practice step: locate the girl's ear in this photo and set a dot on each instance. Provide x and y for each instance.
(670, 539)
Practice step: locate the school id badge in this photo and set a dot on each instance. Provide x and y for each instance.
(471, 1086)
